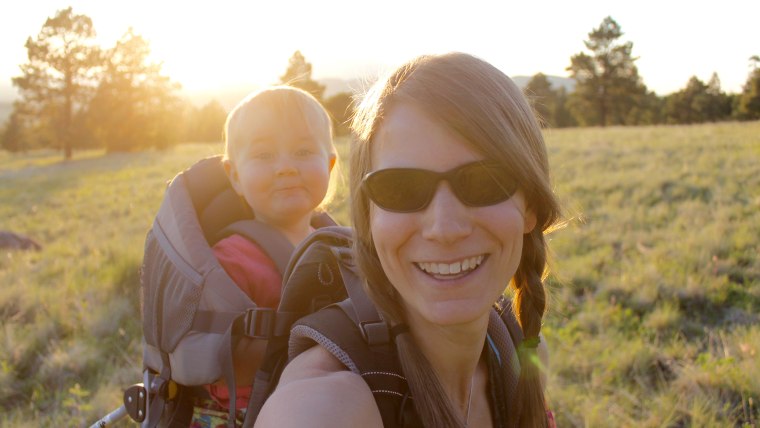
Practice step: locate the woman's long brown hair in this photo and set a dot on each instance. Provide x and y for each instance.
(483, 106)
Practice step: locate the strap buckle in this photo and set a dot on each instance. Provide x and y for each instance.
(259, 323)
(375, 332)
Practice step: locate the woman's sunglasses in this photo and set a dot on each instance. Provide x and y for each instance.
(406, 190)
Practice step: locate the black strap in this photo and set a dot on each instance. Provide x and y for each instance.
(258, 323)
(360, 307)
(496, 392)
(228, 367)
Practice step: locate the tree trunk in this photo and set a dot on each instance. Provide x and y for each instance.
(67, 91)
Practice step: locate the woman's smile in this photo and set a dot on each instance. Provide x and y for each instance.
(450, 270)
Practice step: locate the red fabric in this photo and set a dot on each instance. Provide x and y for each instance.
(256, 274)
(251, 269)
(550, 419)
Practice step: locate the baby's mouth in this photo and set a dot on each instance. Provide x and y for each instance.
(455, 269)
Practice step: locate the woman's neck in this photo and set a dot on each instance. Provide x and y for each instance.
(453, 352)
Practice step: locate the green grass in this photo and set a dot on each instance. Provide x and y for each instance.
(655, 291)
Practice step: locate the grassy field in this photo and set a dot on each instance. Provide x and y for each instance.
(655, 286)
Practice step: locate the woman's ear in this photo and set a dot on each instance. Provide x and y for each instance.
(232, 175)
(529, 221)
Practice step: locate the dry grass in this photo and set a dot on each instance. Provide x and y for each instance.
(655, 297)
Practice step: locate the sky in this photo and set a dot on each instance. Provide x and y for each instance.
(209, 46)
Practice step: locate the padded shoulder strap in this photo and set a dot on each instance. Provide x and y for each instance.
(333, 329)
(504, 307)
(506, 335)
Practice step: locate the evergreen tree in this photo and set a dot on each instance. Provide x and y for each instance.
(298, 74)
(748, 107)
(562, 116)
(542, 98)
(135, 106)
(57, 81)
(341, 109)
(719, 103)
(13, 138)
(698, 102)
(607, 81)
(206, 124)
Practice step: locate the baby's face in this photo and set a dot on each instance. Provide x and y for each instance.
(282, 168)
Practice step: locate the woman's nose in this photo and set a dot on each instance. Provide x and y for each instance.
(446, 219)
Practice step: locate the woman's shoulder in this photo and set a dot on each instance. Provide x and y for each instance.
(317, 390)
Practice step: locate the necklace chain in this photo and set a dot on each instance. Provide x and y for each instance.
(469, 401)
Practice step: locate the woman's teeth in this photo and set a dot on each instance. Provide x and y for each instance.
(465, 265)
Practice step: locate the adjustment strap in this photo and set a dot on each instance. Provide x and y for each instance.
(266, 323)
(362, 310)
(228, 367)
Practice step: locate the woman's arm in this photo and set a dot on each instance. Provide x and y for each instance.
(316, 390)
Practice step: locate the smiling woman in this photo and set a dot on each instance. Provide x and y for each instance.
(450, 198)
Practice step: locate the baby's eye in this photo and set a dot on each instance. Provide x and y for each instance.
(306, 148)
(264, 156)
(305, 151)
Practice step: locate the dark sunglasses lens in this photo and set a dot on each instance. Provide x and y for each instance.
(400, 190)
(481, 185)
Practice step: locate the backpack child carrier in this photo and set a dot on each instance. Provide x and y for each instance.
(192, 310)
(189, 328)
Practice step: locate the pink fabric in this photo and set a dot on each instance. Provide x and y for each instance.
(256, 274)
(550, 419)
(251, 269)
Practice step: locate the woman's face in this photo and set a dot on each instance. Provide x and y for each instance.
(449, 262)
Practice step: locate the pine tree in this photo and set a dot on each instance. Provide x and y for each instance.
(542, 98)
(135, 106)
(607, 81)
(749, 100)
(298, 74)
(58, 80)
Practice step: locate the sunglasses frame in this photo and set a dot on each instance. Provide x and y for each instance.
(435, 178)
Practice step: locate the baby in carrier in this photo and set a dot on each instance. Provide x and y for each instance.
(278, 157)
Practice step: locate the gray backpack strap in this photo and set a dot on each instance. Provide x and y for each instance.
(277, 247)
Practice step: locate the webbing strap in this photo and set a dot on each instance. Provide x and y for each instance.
(258, 323)
(359, 307)
(228, 367)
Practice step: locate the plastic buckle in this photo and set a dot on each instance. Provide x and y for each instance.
(375, 332)
(500, 304)
(259, 323)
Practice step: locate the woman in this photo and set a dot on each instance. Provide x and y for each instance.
(450, 197)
